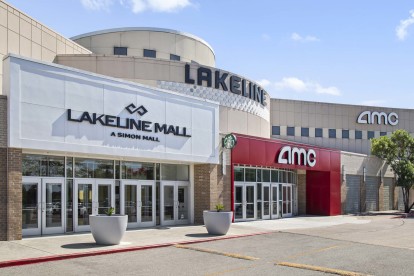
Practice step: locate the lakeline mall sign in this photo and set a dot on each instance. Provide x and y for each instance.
(130, 124)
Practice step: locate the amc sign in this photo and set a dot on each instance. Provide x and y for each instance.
(368, 117)
(297, 156)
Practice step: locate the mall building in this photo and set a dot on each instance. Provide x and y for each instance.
(140, 119)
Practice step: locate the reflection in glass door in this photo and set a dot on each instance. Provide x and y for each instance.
(92, 197)
(266, 201)
(138, 202)
(275, 205)
(287, 200)
(174, 202)
(245, 201)
(42, 206)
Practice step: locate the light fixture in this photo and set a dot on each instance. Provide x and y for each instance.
(343, 173)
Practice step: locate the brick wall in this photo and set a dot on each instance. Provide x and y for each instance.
(302, 193)
(211, 187)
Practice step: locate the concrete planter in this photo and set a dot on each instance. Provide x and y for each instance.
(217, 223)
(108, 230)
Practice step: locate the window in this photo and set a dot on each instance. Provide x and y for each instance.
(305, 132)
(174, 57)
(332, 133)
(318, 132)
(358, 134)
(291, 131)
(40, 165)
(120, 51)
(250, 175)
(266, 175)
(383, 133)
(345, 134)
(275, 130)
(371, 134)
(175, 172)
(150, 53)
(239, 174)
(135, 170)
(94, 168)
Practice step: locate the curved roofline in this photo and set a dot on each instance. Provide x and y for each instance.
(151, 29)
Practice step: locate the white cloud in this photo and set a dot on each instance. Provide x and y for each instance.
(298, 85)
(297, 37)
(401, 30)
(138, 6)
(96, 4)
(264, 83)
(158, 5)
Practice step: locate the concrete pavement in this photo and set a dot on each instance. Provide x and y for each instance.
(376, 229)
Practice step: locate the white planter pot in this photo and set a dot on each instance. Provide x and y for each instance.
(108, 230)
(217, 223)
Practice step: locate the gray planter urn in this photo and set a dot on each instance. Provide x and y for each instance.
(217, 223)
(108, 230)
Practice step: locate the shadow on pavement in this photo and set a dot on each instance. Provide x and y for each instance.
(200, 235)
(83, 245)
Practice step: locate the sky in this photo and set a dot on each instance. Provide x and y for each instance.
(343, 51)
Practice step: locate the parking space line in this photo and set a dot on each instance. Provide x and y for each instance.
(321, 269)
(231, 255)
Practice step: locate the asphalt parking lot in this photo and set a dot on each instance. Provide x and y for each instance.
(384, 246)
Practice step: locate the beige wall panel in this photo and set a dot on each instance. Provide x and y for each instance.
(116, 69)
(3, 40)
(36, 51)
(265, 129)
(61, 47)
(13, 42)
(135, 52)
(84, 63)
(25, 47)
(69, 49)
(223, 124)
(3, 17)
(109, 51)
(163, 42)
(25, 29)
(13, 22)
(237, 121)
(48, 55)
(177, 73)
(163, 55)
(151, 70)
(203, 53)
(108, 40)
(48, 41)
(36, 34)
(135, 39)
(253, 125)
(185, 47)
(85, 42)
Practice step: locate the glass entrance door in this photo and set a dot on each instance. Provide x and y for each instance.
(92, 197)
(266, 201)
(42, 206)
(138, 202)
(287, 200)
(174, 202)
(245, 201)
(275, 203)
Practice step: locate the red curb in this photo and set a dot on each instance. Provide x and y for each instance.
(117, 250)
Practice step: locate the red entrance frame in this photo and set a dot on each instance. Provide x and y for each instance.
(323, 181)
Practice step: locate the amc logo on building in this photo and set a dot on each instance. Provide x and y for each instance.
(297, 156)
(368, 117)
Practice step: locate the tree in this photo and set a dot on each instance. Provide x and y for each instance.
(398, 152)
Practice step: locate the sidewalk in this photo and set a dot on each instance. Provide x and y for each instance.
(48, 248)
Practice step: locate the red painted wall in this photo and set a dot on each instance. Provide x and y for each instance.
(323, 186)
